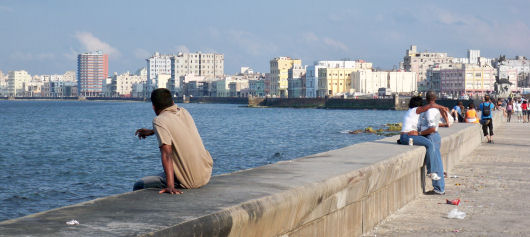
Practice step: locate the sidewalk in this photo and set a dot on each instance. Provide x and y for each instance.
(493, 185)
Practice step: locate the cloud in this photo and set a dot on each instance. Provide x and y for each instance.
(312, 38)
(250, 43)
(142, 53)
(24, 56)
(92, 43)
(182, 49)
(6, 9)
(334, 43)
(512, 35)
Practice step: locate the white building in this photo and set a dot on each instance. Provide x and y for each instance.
(125, 82)
(3, 84)
(296, 81)
(158, 64)
(368, 81)
(420, 62)
(207, 65)
(16, 81)
(311, 81)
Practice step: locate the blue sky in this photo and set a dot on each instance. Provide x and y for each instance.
(45, 36)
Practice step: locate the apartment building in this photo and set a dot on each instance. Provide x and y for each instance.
(420, 62)
(92, 71)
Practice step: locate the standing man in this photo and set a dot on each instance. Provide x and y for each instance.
(186, 162)
(485, 118)
(428, 127)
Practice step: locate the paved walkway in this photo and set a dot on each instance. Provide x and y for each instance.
(494, 188)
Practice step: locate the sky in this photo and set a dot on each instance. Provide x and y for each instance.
(44, 37)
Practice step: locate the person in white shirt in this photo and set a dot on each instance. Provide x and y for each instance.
(518, 110)
(410, 131)
(428, 126)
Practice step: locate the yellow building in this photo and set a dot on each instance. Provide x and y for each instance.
(279, 71)
(333, 81)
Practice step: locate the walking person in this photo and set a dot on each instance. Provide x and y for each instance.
(509, 110)
(524, 107)
(517, 110)
(486, 119)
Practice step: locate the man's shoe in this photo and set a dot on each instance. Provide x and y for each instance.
(434, 192)
(434, 176)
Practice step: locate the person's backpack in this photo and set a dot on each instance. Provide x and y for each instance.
(486, 110)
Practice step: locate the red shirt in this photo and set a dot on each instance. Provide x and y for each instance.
(524, 106)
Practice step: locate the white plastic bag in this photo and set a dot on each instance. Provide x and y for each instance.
(456, 214)
(72, 222)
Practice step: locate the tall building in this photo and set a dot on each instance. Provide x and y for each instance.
(419, 63)
(473, 55)
(92, 72)
(16, 82)
(207, 65)
(158, 64)
(279, 72)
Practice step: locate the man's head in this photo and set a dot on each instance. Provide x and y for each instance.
(431, 96)
(486, 98)
(415, 101)
(460, 103)
(161, 98)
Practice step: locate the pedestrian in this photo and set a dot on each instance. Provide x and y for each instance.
(509, 111)
(517, 110)
(486, 119)
(524, 107)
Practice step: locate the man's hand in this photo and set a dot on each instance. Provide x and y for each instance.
(142, 133)
(413, 133)
(170, 190)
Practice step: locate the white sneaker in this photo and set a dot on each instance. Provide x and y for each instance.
(434, 176)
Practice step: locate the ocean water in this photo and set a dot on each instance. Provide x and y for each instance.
(58, 153)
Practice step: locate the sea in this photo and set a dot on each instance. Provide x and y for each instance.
(58, 153)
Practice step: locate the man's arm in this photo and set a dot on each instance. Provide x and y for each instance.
(428, 131)
(167, 163)
(142, 133)
(446, 119)
(424, 108)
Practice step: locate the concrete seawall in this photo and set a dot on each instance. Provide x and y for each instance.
(343, 192)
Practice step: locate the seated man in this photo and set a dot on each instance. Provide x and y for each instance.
(428, 126)
(410, 131)
(457, 112)
(186, 163)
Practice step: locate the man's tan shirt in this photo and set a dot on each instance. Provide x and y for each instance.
(192, 163)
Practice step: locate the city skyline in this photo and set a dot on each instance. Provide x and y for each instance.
(46, 37)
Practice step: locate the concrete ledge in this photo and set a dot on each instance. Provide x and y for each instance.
(343, 192)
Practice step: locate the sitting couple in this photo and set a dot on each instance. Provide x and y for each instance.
(421, 124)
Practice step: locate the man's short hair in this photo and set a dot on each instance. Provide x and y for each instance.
(161, 98)
(487, 98)
(431, 96)
(415, 101)
(460, 103)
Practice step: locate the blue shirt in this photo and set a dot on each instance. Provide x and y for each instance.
(491, 109)
(457, 108)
